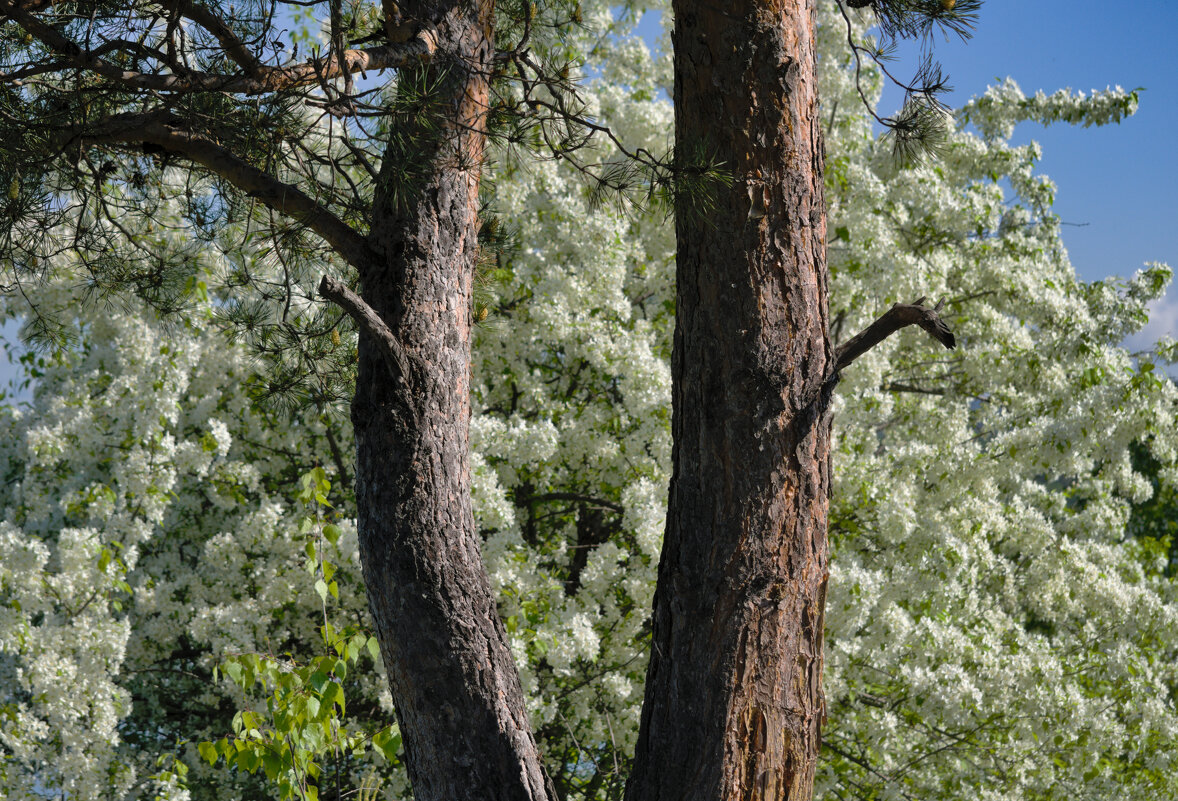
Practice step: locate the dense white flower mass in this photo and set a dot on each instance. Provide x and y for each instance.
(999, 626)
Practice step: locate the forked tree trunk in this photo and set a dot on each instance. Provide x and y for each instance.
(734, 702)
(456, 688)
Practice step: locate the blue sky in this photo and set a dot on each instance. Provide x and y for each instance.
(1116, 185)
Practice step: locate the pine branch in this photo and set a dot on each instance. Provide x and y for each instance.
(262, 80)
(162, 129)
(204, 16)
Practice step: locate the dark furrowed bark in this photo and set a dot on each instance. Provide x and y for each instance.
(453, 680)
(733, 699)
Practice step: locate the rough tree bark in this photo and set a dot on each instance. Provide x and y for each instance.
(457, 692)
(733, 697)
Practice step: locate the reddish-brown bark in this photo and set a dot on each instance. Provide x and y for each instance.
(733, 699)
(454, 683)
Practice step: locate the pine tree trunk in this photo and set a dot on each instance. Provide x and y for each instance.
(734, 703)
(454, 683)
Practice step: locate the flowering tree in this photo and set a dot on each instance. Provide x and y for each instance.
(991, 627)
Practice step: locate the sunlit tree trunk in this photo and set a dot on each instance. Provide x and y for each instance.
(734, 701)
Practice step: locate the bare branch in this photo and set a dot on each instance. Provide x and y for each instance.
(898, 386)
(370, 323)
(576, 497)
(899, 316)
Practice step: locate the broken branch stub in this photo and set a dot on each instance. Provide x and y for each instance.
(370, 323)
(899, 316)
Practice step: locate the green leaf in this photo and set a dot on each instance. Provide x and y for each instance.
(208, 752)
(330, 693)
(249, 760)
(388, 742)
(354, 646)
(272, 764)
(233, 671)
(321, 588)
(374, 648)
(332, 532)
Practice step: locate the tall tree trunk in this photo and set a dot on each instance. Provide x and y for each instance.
(734, 702)
(454, 683)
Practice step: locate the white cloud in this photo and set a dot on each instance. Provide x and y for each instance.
(1163, 321)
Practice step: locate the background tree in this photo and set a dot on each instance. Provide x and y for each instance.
(1004, 639)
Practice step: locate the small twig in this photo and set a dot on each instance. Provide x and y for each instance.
(972, 296)
(337, 456)
(896, 386)
(577, 498)
(839, 320)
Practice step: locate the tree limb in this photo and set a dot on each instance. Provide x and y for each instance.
(370, 323)
(203, 16)
(263, 79)
(159, 128)
(899, 316)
